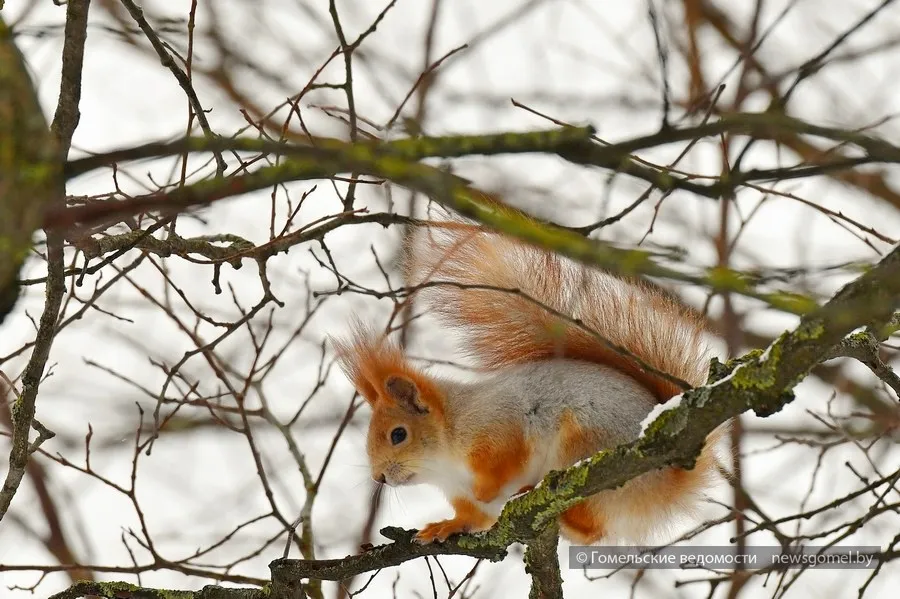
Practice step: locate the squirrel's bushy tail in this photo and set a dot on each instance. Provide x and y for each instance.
(516, 303)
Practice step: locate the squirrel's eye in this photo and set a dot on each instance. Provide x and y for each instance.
(398, 435)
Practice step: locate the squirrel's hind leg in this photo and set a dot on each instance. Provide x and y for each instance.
(584, 523)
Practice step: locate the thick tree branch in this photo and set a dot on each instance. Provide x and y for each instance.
(30, 174)
(542, 563)
(410, 149)
(572, 143)
(120, 590)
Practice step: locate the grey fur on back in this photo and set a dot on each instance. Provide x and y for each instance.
(609, 403)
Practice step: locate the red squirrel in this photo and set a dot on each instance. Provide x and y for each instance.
(554, 393)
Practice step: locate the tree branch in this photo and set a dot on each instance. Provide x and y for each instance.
(119, 590)
(403, 549)
(167, 61)
(30, 174)
(410, 149)
(542, 562)
(863, 346)
(572, 143)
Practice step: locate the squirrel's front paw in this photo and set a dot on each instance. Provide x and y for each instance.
(439, 531)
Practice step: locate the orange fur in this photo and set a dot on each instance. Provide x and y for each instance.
(575, 442)
(468, 518)
(583, 522)
(368, 359)
(681, 482)
(495, 458)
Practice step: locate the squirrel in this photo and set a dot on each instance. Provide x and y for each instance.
(566, 349)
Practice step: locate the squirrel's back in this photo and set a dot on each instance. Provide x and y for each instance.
(542, 394)
(514, 303)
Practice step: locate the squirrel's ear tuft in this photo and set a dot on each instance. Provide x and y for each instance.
(404, 391)
(381, 373)
(355, 355)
